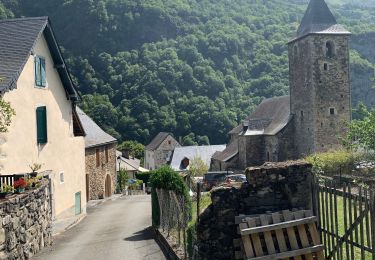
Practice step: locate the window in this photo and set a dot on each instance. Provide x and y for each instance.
(41, 125)
(325, 66)
(330, 51)
(106, 154)
(62, 178)
(301, 115)
(169, 142)
(97, 152)
(332, 111)
(40, 71)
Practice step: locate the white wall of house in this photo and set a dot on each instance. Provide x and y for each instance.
(63, 152)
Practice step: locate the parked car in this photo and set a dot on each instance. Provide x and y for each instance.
(212, 179)
(235, 178)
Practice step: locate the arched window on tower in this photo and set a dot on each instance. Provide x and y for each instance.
(330, 50)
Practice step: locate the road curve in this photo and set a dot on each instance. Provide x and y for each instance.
(112, 230)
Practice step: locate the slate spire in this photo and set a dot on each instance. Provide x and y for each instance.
(319, 19)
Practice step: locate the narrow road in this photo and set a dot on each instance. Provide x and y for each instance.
(112, 230)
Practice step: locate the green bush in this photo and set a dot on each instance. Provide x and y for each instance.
(334, 163)
(123, 179)
(144, 176)
(166, 178)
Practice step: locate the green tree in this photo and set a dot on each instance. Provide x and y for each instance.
(6, 114)
(197, 167)
(135, 149)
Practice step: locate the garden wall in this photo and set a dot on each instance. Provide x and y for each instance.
(271, 187)
(25, 223)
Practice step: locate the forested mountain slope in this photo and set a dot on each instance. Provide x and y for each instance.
(192, 67)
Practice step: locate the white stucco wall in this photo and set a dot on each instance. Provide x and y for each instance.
(63, 152)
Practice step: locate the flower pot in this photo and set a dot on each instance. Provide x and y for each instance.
(20, 190)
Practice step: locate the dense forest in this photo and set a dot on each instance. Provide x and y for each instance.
(195, 68)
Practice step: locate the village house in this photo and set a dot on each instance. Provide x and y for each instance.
(128, 163)
(315, 115)
(100, 154)
(45, 129)
(159, 151)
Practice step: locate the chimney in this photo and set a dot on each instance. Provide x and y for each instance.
(125, 153)
(245, 125)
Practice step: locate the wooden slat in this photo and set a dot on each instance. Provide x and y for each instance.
(255, 238)
(339, 252)
(345, 221)
(322, 215)
(331, 214)
(372, 216)
(295, 253)
(281, 225)
(315, 236)
(247, 242)
(350, 220)
(302, 234)
(267, 236)
(361, 231)
(279, 233)
(368, 236)
(291, 235)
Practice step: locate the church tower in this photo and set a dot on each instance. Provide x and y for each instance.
(320, 96)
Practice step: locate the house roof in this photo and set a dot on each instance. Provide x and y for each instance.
(191, 152)
(318, 19)
(156, 142)
(95, 136)
(131, 164)
(18, 38)
(229, 152)
(270, 117)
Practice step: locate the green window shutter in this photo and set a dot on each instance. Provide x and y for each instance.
(43, 71)
(38, 80)
(41, 123)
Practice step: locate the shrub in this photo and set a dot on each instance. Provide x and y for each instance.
(123, 179)
(167, 179)
(144, 176)
(334, 163)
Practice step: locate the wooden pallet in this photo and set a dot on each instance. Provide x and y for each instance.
(279, 236)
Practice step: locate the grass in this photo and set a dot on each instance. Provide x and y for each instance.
(205, 201)
(341, 226)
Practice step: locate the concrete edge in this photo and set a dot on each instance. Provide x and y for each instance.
(71, 225)
(164, 245)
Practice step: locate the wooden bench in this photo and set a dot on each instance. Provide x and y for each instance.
(279, 236)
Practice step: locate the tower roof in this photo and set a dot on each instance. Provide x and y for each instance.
(318, 19)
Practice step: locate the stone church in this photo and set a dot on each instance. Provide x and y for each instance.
(314, 116)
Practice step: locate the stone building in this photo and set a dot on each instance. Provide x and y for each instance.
(159, 151)
(100, 158)
(315, 114)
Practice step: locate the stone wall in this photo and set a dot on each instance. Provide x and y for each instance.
(25, 223)
(97, 174)
(271, 187)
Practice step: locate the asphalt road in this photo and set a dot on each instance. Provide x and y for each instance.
(112, 230)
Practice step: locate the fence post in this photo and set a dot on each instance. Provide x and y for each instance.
(198, 200)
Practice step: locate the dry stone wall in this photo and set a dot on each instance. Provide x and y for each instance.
(25, 224)
(271, 187)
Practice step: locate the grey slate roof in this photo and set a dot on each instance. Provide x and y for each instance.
(318, 19)
(17, 41)
(131, 164)
(270, 117)
(157, 141)
(95, 136)
(230, 151)
(190, 152)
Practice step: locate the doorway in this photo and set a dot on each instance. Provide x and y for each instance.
(108, 186)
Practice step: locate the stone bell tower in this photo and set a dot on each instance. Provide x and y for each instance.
(320, 93)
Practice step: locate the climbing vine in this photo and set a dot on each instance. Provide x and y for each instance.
(6, 114)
